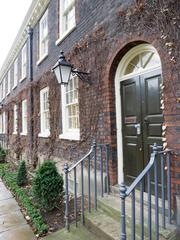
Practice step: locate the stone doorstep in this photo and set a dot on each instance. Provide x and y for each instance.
(110, 205)
(106, 228)
(79, 233)
(115, 192)
(113, 204)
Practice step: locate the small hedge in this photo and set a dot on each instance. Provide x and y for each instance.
(47, 185)
(3, 154)
(22, 174)
(36, 219)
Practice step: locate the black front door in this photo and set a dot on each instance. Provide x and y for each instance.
(141, 120)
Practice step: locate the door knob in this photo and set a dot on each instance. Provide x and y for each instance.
(146, 119)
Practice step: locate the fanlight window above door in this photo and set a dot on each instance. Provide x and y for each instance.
(142, 61)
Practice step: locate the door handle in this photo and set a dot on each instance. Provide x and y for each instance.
(146, 120)
(138, 128)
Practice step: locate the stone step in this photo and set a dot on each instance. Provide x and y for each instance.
(106, 227)
(111, 203)
(110, 206)
(79, 233)
(115, 192)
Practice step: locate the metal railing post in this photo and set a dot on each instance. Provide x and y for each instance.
(156, 193)
(169, 187)
(107, 167)
(123, 211)
(66, 171)
(95, 175)
(101, 170)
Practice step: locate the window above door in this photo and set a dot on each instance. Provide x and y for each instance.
(139, 59)
(142, 61)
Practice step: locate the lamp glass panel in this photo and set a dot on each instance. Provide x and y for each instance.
(65, 73)
(57, 73)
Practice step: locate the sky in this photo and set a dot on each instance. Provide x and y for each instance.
(12, 14)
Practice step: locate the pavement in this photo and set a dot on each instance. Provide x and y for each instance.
(13, 226)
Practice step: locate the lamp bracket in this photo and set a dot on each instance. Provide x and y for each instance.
(83, 76)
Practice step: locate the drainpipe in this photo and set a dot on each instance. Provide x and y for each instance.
(30, 73)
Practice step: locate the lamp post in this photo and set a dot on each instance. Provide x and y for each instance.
(63, 71)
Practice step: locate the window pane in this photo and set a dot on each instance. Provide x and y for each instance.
(72, 107)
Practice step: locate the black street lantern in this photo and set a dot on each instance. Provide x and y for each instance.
(64, 69)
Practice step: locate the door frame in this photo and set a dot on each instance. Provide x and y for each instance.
(119, 76)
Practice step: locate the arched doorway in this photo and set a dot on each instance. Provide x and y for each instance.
(138, 109)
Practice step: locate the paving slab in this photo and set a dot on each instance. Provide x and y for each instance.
(7, 205)
(4, 192)
(13, 226)
(10, 220)
(18, 233)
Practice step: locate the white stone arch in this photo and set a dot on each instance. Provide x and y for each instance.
(121, 75)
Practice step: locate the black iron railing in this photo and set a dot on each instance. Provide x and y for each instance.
(96, 158)
(158, 181)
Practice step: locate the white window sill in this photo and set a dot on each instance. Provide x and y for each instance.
(71, 135)
(60, 39)
(14, 133)
(44, 135)
(23, 133)
(42, 59)
(22, 79)
(14, 87)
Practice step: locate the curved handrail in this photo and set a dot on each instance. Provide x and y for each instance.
(146, 169)
(142, 174)
(82, 159)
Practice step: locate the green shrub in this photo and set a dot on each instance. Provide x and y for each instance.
(34, 213)
(3, 154)
(47, 185)
(22, 174)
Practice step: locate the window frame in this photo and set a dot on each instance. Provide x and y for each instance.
(24, 117)
(68, 133)
(4, 128)
(8, 82)
(62, 13)
(42, 56)
(44, 132)
(15, 119)
(15, 82)
(23, 62)
(3, 88)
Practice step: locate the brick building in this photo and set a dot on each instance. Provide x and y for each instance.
(131, 50)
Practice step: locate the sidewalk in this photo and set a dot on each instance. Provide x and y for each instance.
(13, 226)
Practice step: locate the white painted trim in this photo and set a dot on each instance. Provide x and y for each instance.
(35, 11)
(42, 59)
(23, 133)
(69, 134)
(22, 79)
(62, 35)
(119, 76)
(44, 132)
(60, 39)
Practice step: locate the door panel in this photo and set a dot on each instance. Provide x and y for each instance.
(133, 157)
(140, 105)
(152, 116)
